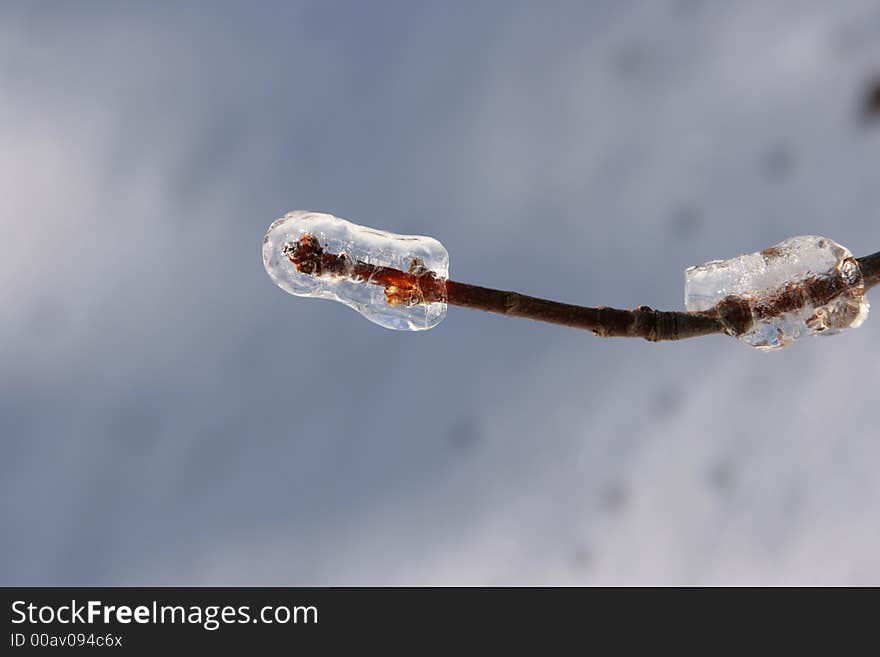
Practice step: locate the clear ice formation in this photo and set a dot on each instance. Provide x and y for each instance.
(358, 243)
(805, 285)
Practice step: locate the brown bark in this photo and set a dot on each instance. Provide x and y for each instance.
(419, 285)
(870, 266)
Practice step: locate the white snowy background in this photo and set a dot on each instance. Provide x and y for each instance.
(168, 416)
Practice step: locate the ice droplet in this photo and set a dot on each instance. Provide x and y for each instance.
(359, 249)
(806, 285)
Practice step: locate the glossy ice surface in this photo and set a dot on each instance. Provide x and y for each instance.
(359, 243)
(804, 285)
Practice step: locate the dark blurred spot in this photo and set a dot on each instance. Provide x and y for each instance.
(87, 553)
(465, 433)
(667, 401)
(846, 40)
(871, 101)
(685, 221)
(858, 35)
(21, 428)
(632, 61)
(621, 162)
(136, 421)
(685, 8)
(214, 144)
(722, 476)
(583, 557)
(794, 499)
(614, 498)
(47, 317)
(778, 163)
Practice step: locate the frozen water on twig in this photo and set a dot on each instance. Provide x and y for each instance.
(804, 285)
(353, 246)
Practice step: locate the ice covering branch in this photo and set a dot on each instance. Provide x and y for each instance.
(801, 286)
(418, 286)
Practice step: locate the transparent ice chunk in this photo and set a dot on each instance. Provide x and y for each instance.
(357, 246)
(804, 285)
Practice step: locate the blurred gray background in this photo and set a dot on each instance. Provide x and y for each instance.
(169, 416)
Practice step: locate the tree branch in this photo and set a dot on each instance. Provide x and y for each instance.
(420, 285)
(870, 266)
(642, 322)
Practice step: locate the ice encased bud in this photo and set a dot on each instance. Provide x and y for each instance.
(358, 243)
(806, 285)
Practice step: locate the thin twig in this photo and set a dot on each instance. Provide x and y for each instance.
(870, 266)
(642, 322)
(420, 285)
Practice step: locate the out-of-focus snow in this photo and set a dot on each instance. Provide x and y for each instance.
(168, 416)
